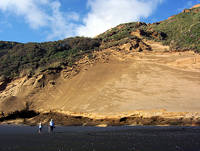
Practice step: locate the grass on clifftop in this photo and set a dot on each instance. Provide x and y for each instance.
(183, 30)
(119, 35)
(16, 58)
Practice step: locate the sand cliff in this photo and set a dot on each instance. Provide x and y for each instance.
(116, 83)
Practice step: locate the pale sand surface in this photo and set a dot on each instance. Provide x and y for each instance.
(120, 83)
(146, 82)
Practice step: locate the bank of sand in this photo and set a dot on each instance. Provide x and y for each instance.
(116, 84)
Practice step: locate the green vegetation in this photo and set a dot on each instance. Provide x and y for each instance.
(120, 34)
(183, 30)
(17, 57)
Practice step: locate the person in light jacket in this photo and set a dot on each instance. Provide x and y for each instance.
(51, 125)
(40, 127)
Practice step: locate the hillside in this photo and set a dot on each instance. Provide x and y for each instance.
(180, 32)
(135, 71)
(27, 59)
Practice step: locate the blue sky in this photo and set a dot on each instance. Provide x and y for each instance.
(49, 20)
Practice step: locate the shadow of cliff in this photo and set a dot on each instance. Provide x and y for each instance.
(19, 115)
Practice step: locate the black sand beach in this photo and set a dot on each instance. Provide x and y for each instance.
(140, 138)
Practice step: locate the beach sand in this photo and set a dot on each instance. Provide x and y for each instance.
(124, 138)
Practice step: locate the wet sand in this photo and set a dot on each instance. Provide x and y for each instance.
(119, 138)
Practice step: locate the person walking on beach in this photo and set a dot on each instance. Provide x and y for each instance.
(40, 127)
(51, 126)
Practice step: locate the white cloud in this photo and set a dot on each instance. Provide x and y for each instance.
(105, 14)
(42, 13)
(26, 8)
(61, 25)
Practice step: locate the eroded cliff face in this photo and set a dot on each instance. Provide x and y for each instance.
(112, 84)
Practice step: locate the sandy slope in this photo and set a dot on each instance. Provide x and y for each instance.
(117, 82)
(133, 84)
